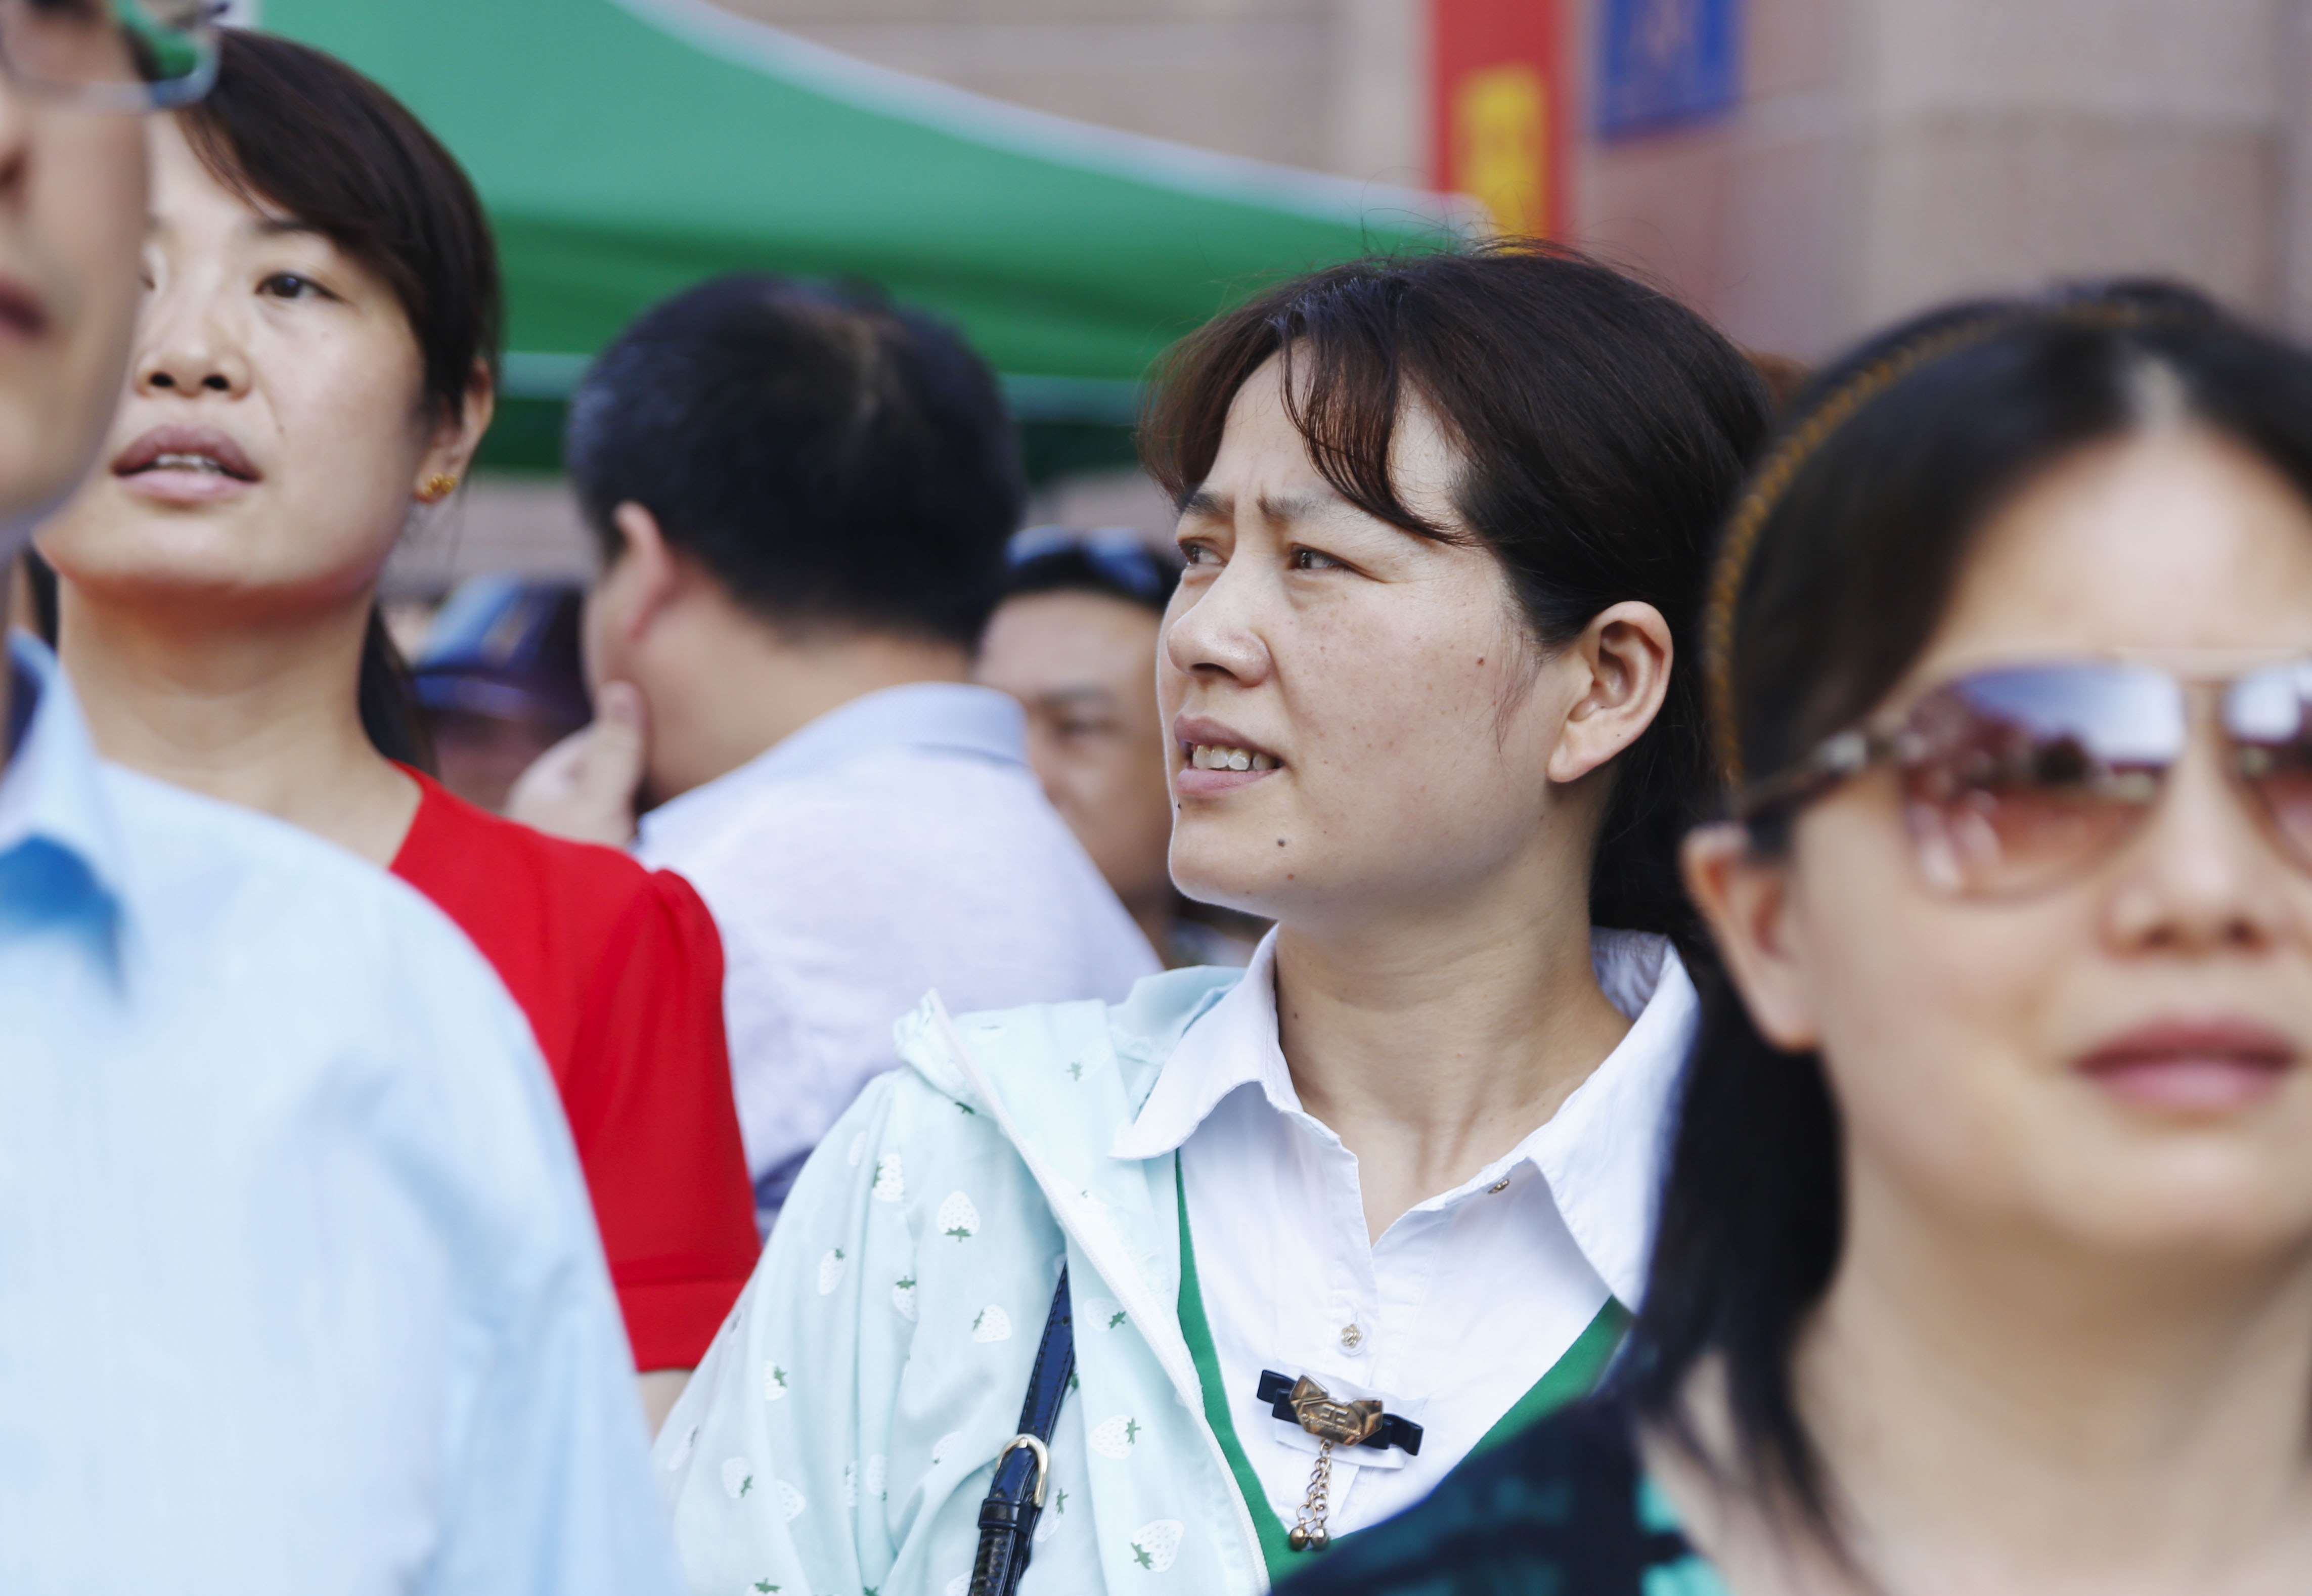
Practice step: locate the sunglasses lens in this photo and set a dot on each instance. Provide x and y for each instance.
(2269, 715)
(2013, 778)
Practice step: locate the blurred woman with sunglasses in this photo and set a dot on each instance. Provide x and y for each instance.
(314, 367)
(1328, 1226)
(1985, 1261)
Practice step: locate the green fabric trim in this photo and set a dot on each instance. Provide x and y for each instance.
(1573, 1377)
(1570, 1377)
(1275, 1550)
(1656, 1513)
(1689, 1576)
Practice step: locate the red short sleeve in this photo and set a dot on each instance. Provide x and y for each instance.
(619, 970)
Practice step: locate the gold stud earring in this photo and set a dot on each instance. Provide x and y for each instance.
(438, 486)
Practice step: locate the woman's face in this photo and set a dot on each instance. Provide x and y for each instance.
(2123, 1061)
(1407, 746)
(273, 440)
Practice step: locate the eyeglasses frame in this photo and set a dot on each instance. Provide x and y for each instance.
(165, 94)
(1888, 737)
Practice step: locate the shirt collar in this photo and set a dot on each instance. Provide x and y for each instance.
(948, 717)
(1229, 1045)
(1604, 1151)
(1601, 1153)
(49, 792)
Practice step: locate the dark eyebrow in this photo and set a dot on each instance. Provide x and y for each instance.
(286, 227)
(1207, 505)
(1294, 507)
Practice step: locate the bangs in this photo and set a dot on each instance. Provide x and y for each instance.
(1338, 341)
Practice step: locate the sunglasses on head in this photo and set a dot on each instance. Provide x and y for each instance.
(2016, 778)
(1120, 554)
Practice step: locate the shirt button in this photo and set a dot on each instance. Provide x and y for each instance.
(1351, 1336)
(1500, 1185)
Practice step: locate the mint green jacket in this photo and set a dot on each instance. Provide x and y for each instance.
(839, 1435)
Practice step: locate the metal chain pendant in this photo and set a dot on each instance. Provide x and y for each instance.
(1334, 1423)
(1309, 1534)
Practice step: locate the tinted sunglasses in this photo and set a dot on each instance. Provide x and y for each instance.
(2014, 779)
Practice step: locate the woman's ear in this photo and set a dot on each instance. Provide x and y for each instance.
(1624, 653)
(1746, 902)
(456, 437)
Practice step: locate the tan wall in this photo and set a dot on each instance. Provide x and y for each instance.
(1742, 215)
(1892, 154)
(1332, 85)
(1888, 152)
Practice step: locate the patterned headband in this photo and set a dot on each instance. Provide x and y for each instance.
(1799, 446)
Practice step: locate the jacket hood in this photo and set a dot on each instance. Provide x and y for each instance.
(1062, 1078)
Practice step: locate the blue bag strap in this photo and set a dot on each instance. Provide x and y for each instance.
(1023, 1469)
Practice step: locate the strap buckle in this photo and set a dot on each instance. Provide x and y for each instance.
(1043, 1461)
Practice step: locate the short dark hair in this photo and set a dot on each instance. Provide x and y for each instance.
(829, 457)
(1864, 513)
(290, 127)
(1603, 428)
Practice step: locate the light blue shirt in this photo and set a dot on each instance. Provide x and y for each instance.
(299, 1289)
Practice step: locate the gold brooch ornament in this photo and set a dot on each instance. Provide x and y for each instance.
(1334, 1422)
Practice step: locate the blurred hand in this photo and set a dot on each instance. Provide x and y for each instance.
(583, 787)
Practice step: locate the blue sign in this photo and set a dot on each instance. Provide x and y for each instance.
(1661, 61)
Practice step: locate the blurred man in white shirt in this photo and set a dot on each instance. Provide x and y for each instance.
(803, 496)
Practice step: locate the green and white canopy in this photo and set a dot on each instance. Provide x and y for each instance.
(628, 148)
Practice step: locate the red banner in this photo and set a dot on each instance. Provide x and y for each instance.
(1503, 110)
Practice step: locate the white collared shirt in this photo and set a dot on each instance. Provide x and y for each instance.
(896, 845)
(1464, 1303)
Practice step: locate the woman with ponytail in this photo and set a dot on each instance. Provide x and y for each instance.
(313, 369)
(1986, 1256)
(1328, 1228)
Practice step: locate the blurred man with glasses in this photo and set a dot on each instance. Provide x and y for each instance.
(298, 1286)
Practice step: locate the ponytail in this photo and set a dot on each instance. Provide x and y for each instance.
(1748, 1238)
(41, 585)
(389, 711)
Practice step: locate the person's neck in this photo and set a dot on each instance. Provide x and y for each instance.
(1433, 1042)
(264, 713)
(724, 687)
(1156, 912)
(2006, 1414)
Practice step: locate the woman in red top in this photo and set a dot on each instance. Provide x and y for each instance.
(314, 367)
